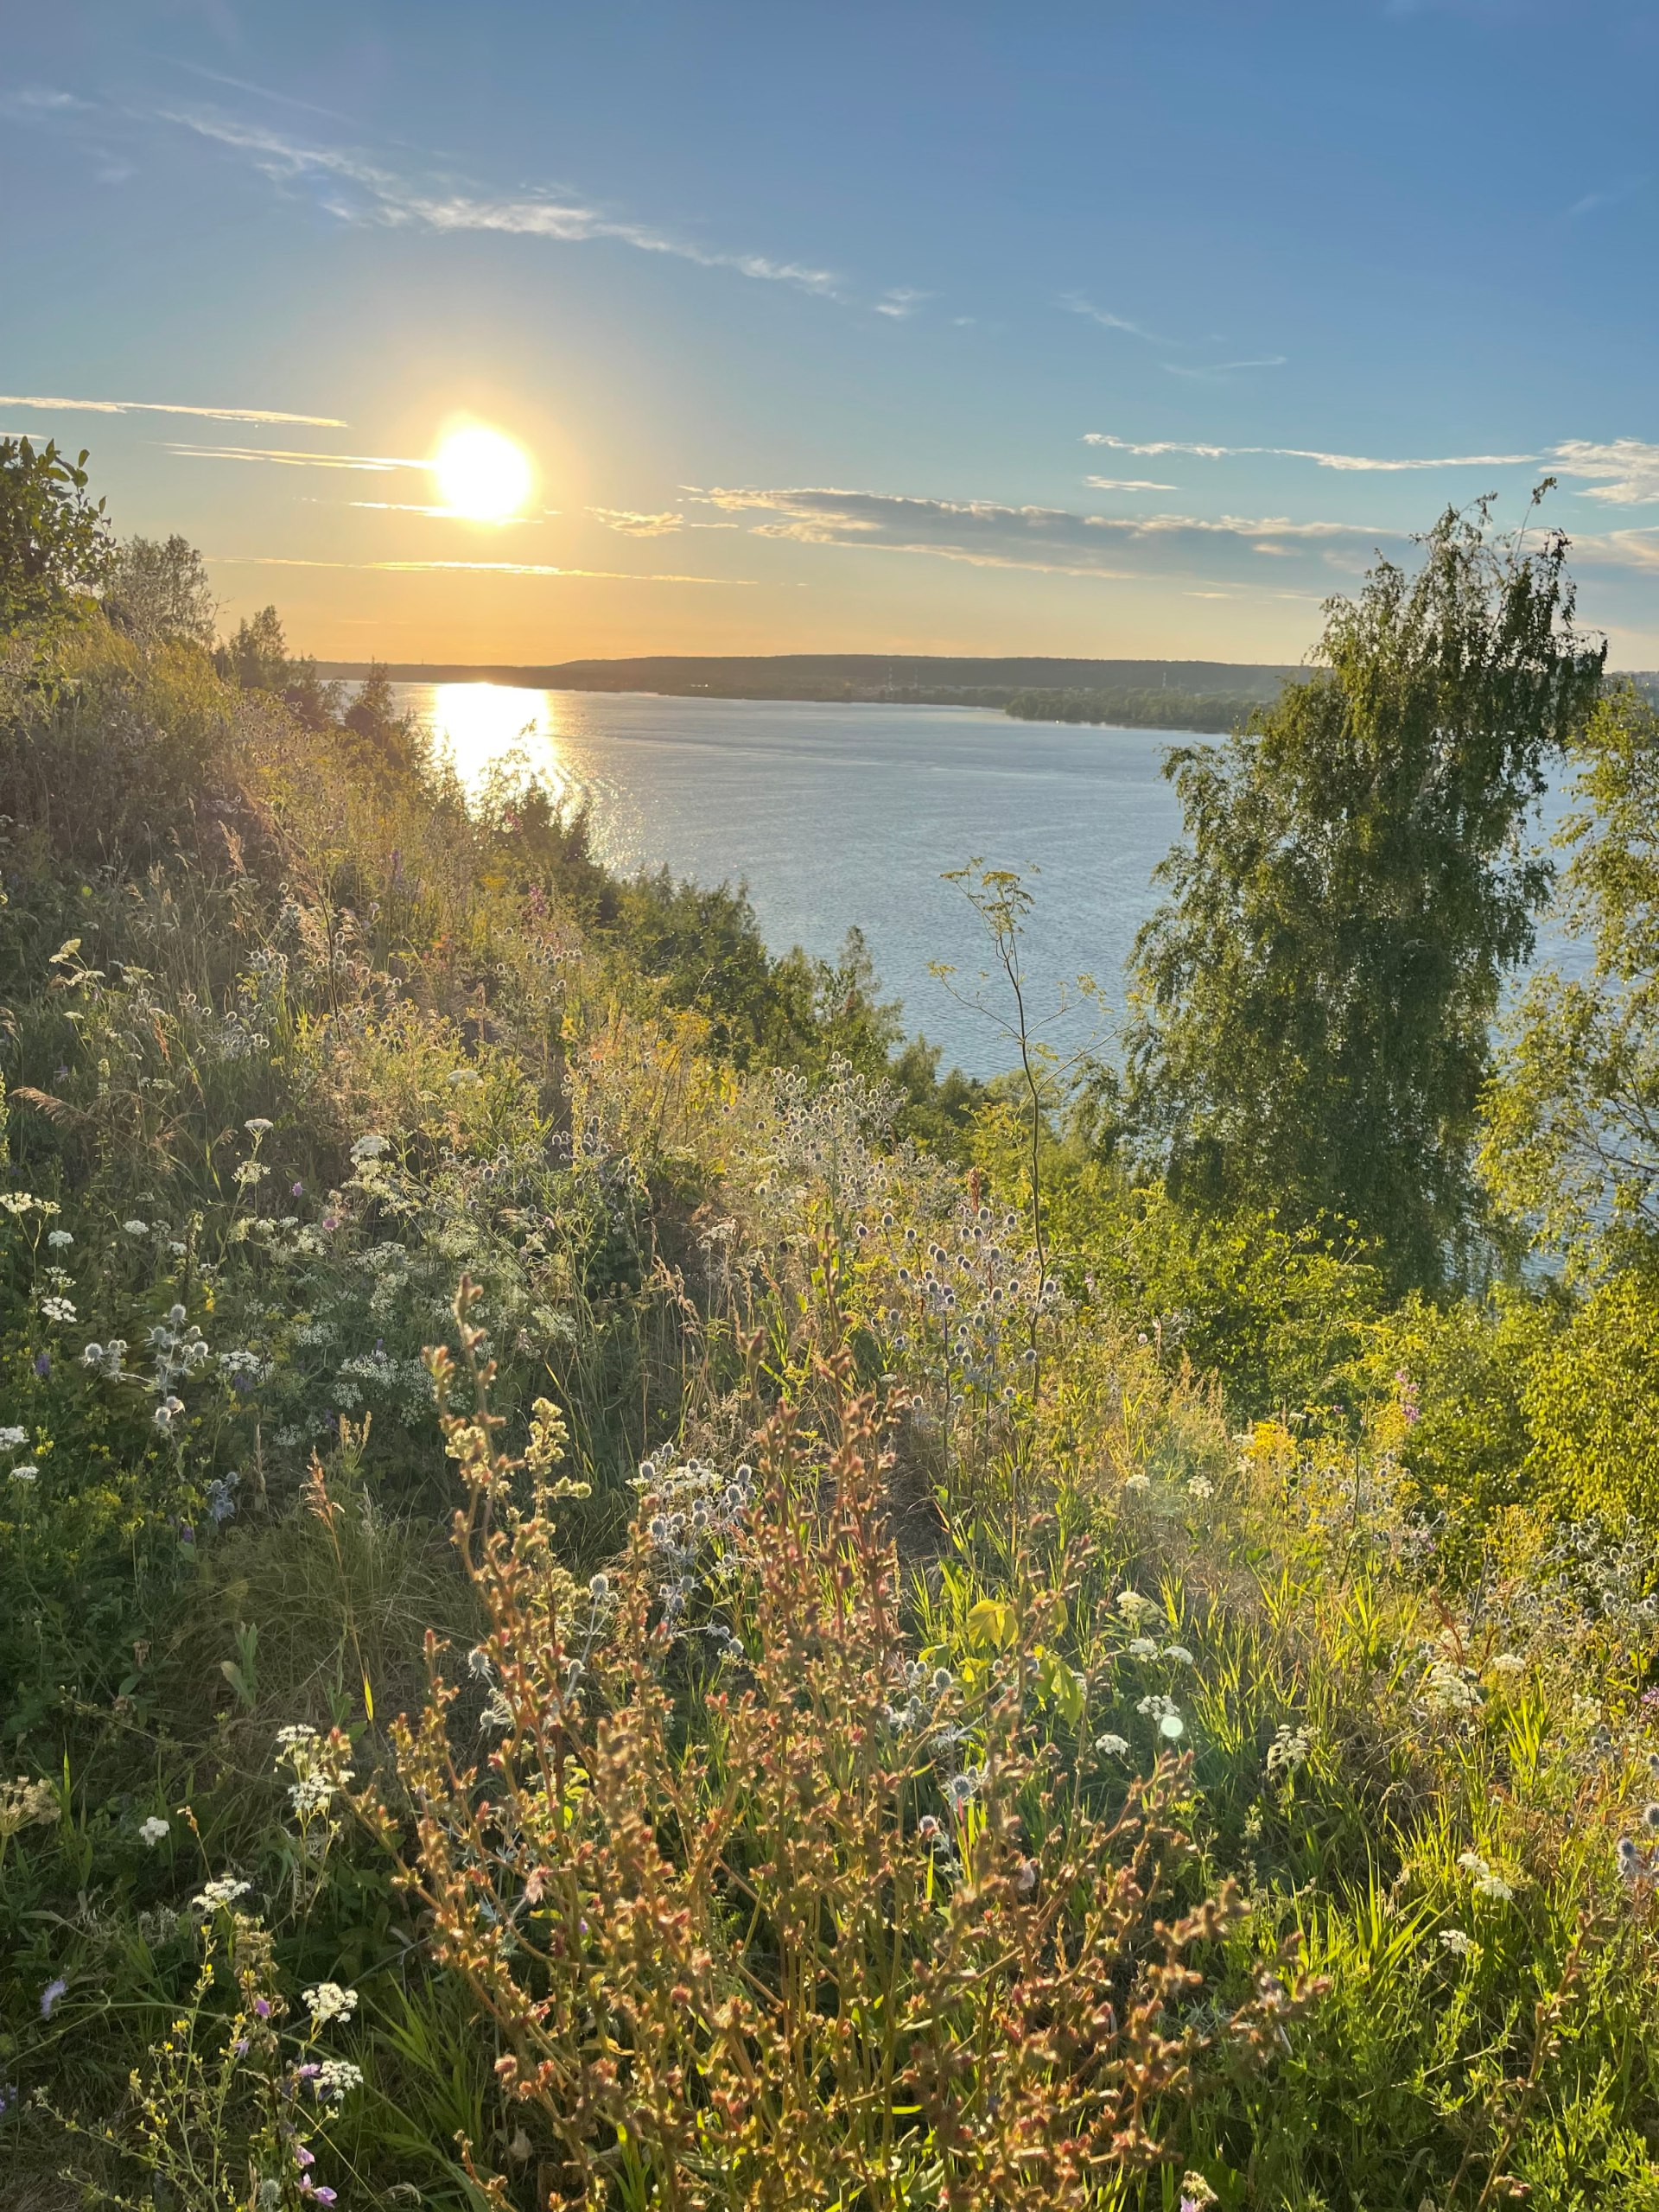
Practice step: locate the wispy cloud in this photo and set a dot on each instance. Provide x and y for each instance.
(1210, 372)
(174, 407)
(1050, 540)
(901, 302)
(1624, 471)
(1619, 549)
(1075, 303)
(478, 568)
(372, 194)
(1150, 449)
(1205, 371)
(281, 458)
(442, 514)
(1128, 484)
(633, 524)
(1592, 203)
(1153, 448)
(35, 100)
(261, 92)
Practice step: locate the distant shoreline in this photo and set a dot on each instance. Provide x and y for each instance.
(1203, 697)
(1177, 695)
(891, 679)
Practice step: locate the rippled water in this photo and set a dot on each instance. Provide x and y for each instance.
(837, 816)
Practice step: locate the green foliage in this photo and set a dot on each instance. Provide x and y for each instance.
(1142, 707)
(1570, 1147)
(54, 544)
(1314, 1001)
(158, 591)
(1279, 1315)
(1591, 1399)
(389, 735)
(963, 2004)
(883, 1595)
(1462, 1374)
(256, 657)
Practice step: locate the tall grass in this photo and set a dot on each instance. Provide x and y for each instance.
(792, 1694)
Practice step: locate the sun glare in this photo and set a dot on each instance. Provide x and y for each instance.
(482, 474)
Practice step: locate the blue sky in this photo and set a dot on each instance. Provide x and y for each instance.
(1070, 329)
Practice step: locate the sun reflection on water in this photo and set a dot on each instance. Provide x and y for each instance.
(482, 725)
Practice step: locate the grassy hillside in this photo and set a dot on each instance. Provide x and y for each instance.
(609, 1595)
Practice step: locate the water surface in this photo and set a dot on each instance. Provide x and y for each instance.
(837, 816)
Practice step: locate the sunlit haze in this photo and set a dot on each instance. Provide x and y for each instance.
(536, 333)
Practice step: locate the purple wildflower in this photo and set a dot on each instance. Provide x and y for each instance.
(50, 1995)
(43, 1364)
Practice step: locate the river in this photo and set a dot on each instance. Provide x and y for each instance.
(836, 816)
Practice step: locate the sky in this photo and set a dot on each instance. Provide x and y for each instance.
(1130, 327)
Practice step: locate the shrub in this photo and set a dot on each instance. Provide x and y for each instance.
(750, 1932)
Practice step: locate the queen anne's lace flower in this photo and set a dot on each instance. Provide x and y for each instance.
(220, 1893)
(329, 2001)
(1448, 1689)
(1487, 1882)
(336, 2078)
(1288, 1750)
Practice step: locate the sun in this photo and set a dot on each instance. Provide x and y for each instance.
(482, 473)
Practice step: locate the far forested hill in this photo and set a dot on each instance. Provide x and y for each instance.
(914, 678)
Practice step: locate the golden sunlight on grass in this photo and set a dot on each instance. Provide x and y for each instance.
(482, 473)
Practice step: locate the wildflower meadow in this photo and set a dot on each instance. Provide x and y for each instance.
(610, 1594)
